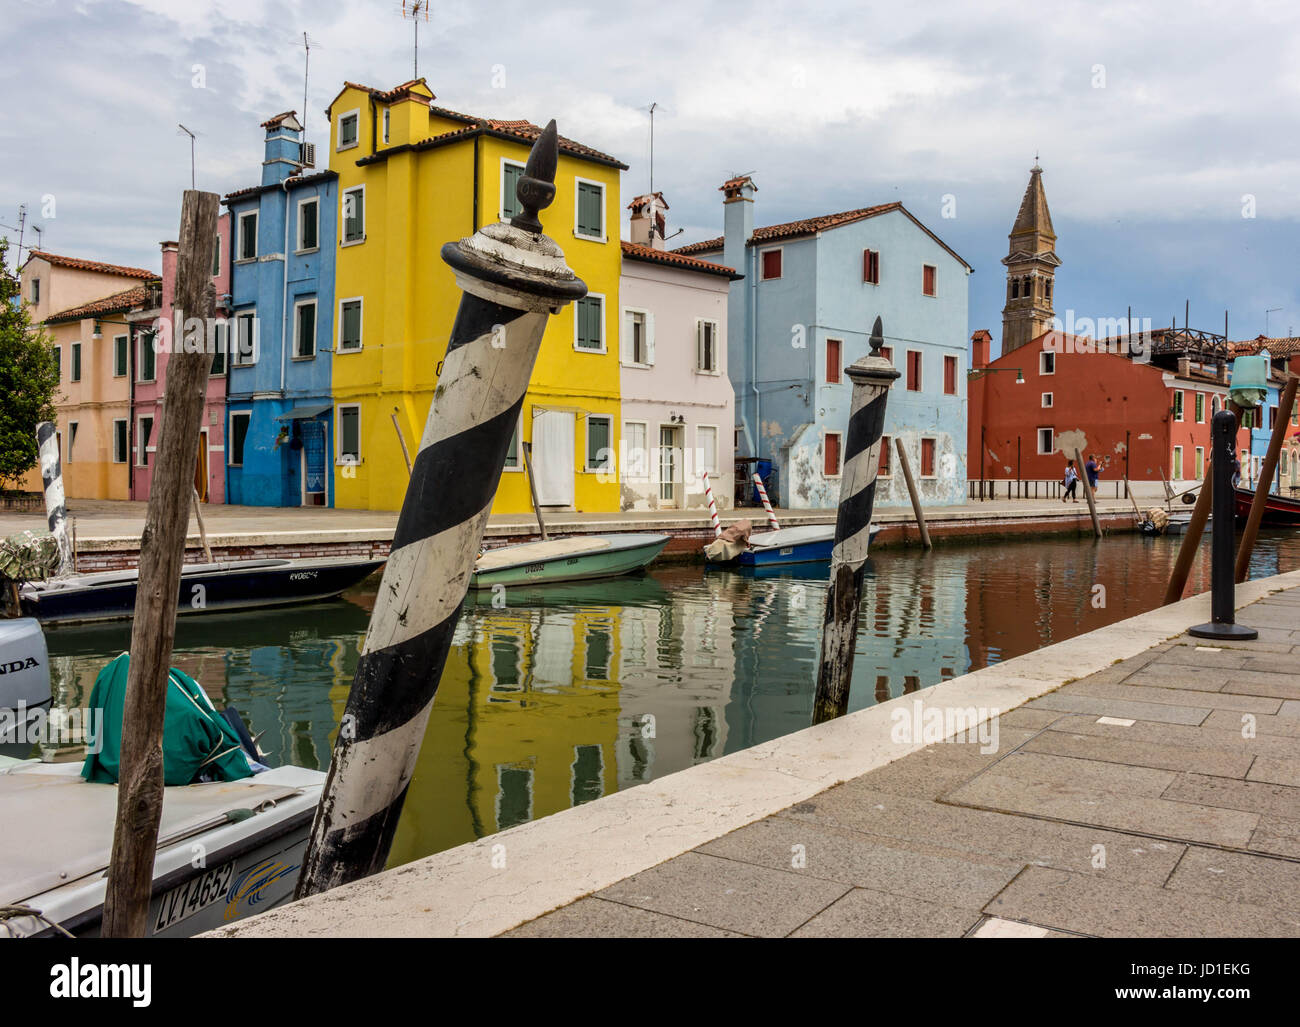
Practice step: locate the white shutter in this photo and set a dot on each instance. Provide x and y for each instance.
(699, 345)
(629, 330)
(649, 338)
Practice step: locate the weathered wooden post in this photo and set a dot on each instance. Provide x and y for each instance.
(401, 439)
(1191, 537)
(203, 531)
(56, 507)
(913, 494)
(532, 488)
(1087, 493)
(1267, 470)
(162, 554)
(513, 278)
(872, 377)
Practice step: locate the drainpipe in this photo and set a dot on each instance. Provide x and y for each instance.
(284, 283)
(752, 316)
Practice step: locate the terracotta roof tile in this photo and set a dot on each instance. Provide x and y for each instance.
(672, 258)
(278, 119)
(78, 264)
(114, 304)
(1285, 346)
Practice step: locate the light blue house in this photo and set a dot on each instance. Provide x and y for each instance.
(279, 433)
(803, 312)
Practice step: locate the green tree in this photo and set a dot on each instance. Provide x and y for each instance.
(29, 378)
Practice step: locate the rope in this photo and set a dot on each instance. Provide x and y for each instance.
(18, 910)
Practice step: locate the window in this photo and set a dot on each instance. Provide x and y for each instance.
(1272, 417)
(831, 455)
(247, 236)
(590, 210)
(706, 346)
(216, 256)
(354, 215)
(304, 329)
(1046, 442)
(1046, 362)
(588, 318)
(1200, 410)
(1178, 463)
(143, 436)
(888, 353)
(349, 325)
(1200, 462)
(220, 343)
(927, 458)
(706, 443)
(600, 456)
(1248, 418)
(76, 362)
(636, 338)
(929, 280)
(119, 356)
(36, 290)
(349, 125)
(387, 120)
(512, 454)
(1047, 399)
(636, 454)
(72, 438)
(58, 361)
(238, 435)
(1015, 288)
(308, 224)
(949, 376)
(147, 358)
(245, 339)
(913, 370)
(511, 172)
(349, 434)
(1178, 405)
(771, 264)
(120, 445)
(885, 469)
(834, 361)
(871, 267)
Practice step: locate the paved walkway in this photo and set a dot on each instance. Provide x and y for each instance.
(1157, 798)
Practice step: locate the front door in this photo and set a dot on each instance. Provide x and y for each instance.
(553, 438)
(670, 467)
(313, 462)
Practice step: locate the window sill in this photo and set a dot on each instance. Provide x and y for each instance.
(246, 260)
(350, 463)
(587, 349)
(347, 146)
(303, 359)
(352, 242)
(347, 349)
(590, 238)
(633, 363)
(309, 249)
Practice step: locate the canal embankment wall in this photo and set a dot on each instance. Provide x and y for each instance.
(495, 884)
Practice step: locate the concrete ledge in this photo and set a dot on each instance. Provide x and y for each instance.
(492, 885)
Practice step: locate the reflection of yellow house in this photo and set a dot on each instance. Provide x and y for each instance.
(531, 700)
(413, 176)
(65, 293)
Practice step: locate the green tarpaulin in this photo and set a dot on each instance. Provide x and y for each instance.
(28, 556)
(196, 738)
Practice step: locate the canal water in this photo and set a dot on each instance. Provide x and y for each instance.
(571, 692)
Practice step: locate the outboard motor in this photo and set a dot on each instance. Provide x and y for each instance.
(24, 683)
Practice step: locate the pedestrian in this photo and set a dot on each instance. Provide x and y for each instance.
(1070, 481)
(1094, 471)
(1236, 469)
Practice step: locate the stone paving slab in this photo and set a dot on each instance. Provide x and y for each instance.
(1136, 709)
(1218, 700)
(600, 918)
(1237, 877)
(1141, 754)
(865, 911)
(1252, 796)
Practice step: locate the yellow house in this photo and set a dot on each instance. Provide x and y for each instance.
(413, 176)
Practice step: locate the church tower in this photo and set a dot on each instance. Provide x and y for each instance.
(1031, 268)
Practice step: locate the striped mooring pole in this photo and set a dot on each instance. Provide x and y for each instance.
(56, 507)
(513, 278)
(872, 377)
(767, 505)
(713, 507)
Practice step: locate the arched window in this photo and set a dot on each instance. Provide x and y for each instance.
(1015, 288)
(1047, 289)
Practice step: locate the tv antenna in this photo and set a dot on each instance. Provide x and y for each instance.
(307, 44)
(413, 9)
(652, 147)
(21, 228)
(191, 135)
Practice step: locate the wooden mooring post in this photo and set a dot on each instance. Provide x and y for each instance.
(1191, 538)
(1266, 473)
(1087, 493)
(162, 553)
(203, 531)
(911, 491)
(872, 377)
(513, 278)
(406, 453)
(527, 447)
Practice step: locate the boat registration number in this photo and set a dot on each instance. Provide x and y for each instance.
(196, 894)
(787, 551)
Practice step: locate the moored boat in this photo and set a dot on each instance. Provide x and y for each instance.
(1279, 511)
(805, 543)
(576, 558)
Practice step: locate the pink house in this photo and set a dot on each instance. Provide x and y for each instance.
(149, 385)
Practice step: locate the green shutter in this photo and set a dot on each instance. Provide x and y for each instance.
(589, 212)
(509, 199)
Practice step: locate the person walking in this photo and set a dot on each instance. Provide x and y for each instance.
(1071, 482)
(1093, 470)
(1236, 470)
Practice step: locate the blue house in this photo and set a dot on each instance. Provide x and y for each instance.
(278, 407)
(804, 311)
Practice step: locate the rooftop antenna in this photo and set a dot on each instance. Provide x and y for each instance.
(413, 9)
(20, 227)
(307, 44)
(1270, 310)
(652, 147)
(191, 135)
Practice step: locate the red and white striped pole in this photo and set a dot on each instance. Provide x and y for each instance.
(713, 507)
(767, 505)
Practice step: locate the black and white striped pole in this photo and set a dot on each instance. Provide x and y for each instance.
(513, 278)
(872, 377)
(56, 507)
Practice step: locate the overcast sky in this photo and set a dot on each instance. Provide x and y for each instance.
(1155, 122)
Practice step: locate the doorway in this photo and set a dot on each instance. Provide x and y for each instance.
(670, 467)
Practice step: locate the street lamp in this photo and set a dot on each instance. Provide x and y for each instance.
(980, 372)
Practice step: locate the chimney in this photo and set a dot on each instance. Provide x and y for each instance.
(981, 344)
(737, 219)
(648, 226)
(1184, 364)
(283, 148)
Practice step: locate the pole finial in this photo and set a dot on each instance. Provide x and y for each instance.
(536, 186)
(877, 337)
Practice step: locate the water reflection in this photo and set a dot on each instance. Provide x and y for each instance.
(571, 692)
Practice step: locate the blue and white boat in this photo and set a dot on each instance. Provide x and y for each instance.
(806, 543)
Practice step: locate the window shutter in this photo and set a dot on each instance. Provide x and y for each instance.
(699, 345)
(625, 353)
(649, 338)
